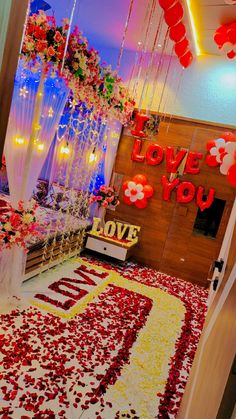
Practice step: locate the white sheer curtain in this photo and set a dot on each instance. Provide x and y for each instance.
(113, 136)
(37, 103)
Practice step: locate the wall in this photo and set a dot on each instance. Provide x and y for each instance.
(207, 89)
(167, 241)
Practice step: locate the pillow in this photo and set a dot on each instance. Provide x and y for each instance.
(40, 192)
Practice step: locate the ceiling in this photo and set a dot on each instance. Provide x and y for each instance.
(209, 15)
(103, 21)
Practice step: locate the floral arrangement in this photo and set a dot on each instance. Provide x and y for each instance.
(17, 225)
(99, 86)
(105, 196)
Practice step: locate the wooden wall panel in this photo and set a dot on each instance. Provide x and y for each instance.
(167, 241)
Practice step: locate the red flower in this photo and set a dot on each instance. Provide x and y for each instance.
(58, 37)
(41, 46)
(40, 33)
(51, 51)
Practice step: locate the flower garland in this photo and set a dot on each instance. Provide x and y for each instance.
(100, 87)
(18, 225)
(105, 196)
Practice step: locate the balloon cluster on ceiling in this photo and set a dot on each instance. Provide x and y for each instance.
(225, 38)
(173, 15)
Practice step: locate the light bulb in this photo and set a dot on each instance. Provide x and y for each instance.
(92, 158)
(65, 150)
(50, 112)
(20, 141)
(40, 147)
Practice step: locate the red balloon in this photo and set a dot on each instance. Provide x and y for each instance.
(168, 187)
(203, 204)
(232, 35)
(211, 161)
(154, 154)
(181, 47)
(126, 200)
(140, 120)
(148, 191)
(136, 156)
(186, 60)
(228, 136)
(231, 175)
(140, 179)
(174, 15)
(166, 4)
(125, 185)
(231, 55)
(141, 203)
(210, 144)
(185, 192)
(177, 32)
(220, 38)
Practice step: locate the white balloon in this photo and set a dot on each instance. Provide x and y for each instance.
(227, 47)
(230, 2)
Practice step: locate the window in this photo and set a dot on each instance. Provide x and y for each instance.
(207, 222)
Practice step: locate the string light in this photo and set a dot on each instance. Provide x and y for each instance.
(65, 150)
(92, 157)
(40, 147)
(23, 92)
(50, 112)
(20, 141)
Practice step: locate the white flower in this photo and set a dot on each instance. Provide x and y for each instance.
(218, 149)
(229, 159)
(134, 191)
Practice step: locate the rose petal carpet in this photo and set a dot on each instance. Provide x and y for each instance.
(99, 340)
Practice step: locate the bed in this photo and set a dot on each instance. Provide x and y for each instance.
(70, 233)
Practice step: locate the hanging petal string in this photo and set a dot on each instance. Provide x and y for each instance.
(144, 50)
(150, 64)
(165, 81)
(68, 34)
(159, 69)
(124, 35)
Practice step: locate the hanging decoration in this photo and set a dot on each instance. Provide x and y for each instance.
(137, 191)
(222, 153)
(225, 39)
(173, 15)
(100, 87)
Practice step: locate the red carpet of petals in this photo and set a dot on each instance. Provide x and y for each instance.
(194, 298)
(70, 355)
(49, 366)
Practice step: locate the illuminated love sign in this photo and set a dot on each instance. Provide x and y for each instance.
(115, 229)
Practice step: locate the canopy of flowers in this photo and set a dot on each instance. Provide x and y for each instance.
(100, 87)
(17, 225)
